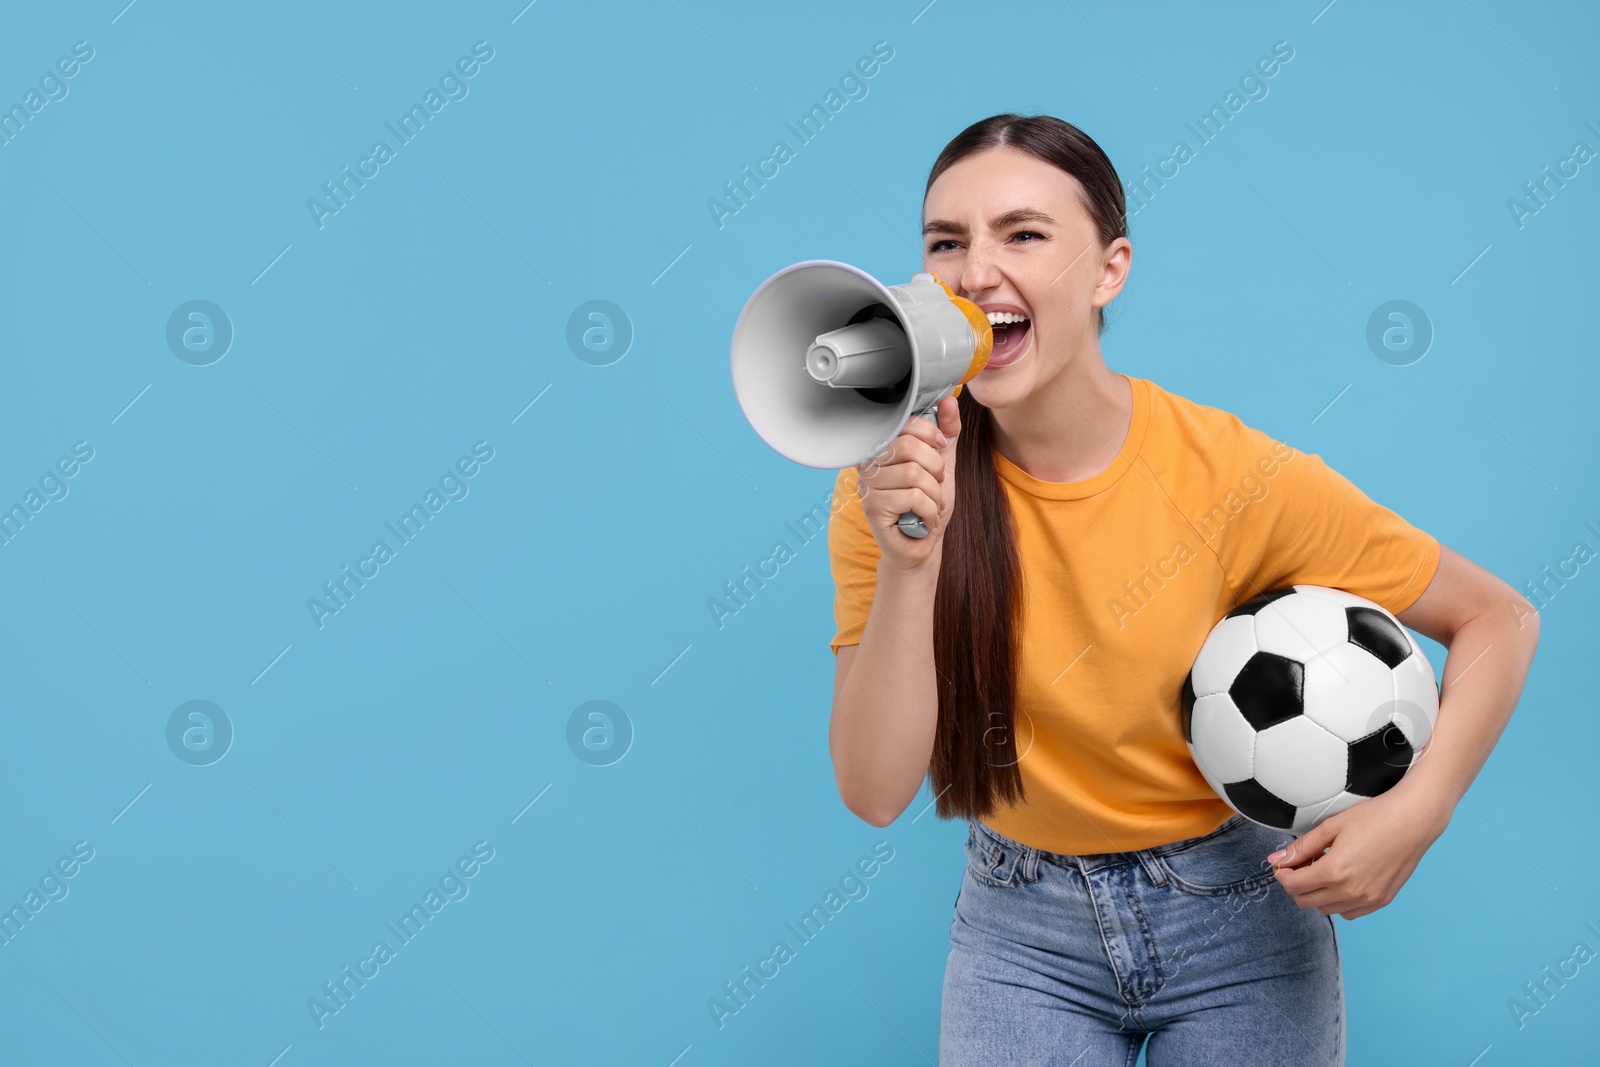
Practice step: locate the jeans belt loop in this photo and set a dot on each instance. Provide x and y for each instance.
(1152, 866)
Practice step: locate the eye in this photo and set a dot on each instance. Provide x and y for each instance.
(937, 246)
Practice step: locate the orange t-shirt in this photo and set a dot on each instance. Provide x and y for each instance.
(1123, 576)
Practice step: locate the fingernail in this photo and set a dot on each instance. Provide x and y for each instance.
(1278, 855)
(941, 439)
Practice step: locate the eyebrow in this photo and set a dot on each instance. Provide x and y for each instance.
(999, 222)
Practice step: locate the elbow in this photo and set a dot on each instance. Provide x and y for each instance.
(857, 795)
(868, 811)
(877, 819)
(1526, 617)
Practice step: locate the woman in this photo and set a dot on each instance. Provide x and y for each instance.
(1030, 653)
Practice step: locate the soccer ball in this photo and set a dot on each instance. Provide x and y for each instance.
(1305, 701)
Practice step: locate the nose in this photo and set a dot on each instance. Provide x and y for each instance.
(979, 271)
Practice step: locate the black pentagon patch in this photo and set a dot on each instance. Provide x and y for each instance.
(1377, 633)
(1378, 761)
(1252, 800)
(1269, 689)
(1188, 707)
(1250, 607)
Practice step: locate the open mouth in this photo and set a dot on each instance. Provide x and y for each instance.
(1010, 336)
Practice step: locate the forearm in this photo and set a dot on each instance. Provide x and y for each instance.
(882, 731)
(1485, 667)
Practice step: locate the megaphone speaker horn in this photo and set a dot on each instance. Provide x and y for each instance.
(829, 364)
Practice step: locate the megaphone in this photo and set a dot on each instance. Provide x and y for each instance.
(829, 364)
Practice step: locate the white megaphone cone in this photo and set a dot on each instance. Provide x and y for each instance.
(829, 364)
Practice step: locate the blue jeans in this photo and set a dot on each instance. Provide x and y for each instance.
(1075, 960)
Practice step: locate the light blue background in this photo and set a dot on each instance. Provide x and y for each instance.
(428, 314)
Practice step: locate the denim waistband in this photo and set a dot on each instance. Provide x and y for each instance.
(1029, 857)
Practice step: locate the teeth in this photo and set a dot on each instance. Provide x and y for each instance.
(998, 317)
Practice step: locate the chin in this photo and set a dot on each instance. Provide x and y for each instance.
(1002, 388)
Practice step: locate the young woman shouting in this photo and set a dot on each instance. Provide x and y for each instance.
(1087, 529)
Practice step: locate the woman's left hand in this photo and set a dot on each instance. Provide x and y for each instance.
(1374, 847)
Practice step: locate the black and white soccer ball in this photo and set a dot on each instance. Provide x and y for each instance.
(1305, 701)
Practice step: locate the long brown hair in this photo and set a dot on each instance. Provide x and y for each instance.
(978, 602)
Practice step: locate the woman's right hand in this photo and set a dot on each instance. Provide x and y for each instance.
(914, 472)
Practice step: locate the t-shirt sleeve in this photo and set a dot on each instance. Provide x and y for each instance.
(1312, 526)
(853, 558)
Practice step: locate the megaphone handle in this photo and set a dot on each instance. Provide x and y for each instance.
(910, 523)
